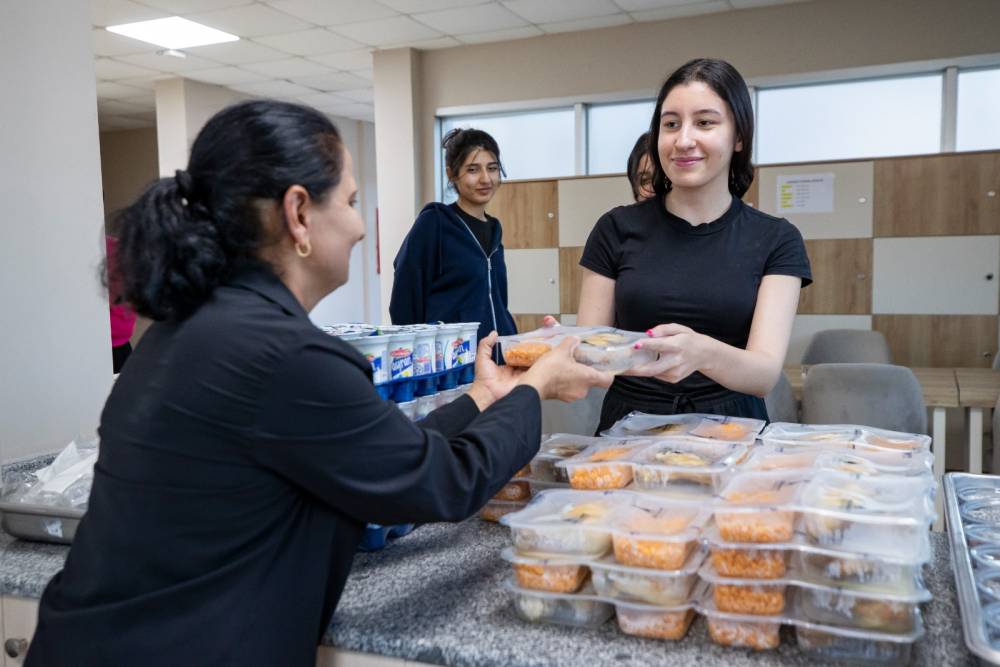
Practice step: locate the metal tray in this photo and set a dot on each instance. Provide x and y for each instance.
(973, 626)
(40, 523)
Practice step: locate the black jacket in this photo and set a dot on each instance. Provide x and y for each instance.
(443, 274)
(242, 453)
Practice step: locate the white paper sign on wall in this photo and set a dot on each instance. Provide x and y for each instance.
(805, 193)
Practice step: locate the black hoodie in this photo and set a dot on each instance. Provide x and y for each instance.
(443, 274)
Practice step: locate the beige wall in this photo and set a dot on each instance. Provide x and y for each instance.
(128, 165)
(781, 40)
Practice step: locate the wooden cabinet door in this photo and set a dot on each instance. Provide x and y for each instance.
(938, 195)
(570, 279)
(529, 213)
(947, 341)
(533, 280)
(842, 275)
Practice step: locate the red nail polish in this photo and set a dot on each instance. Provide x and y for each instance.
(638, 346)
(649, 332)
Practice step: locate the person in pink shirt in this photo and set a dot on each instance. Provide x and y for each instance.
(122, 317)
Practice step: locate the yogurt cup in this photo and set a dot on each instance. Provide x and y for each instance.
(449, 345)
(470, 333)
(423, 350)
(401, 355)
(376, 350)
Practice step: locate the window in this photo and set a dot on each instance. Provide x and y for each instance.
(611, 132)
(978, 110)
(855, 119)
(533, 144)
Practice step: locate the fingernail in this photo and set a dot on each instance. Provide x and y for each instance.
(649, 332)
(638, 346)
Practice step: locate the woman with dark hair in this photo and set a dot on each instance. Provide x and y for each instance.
(242, 449)
(639, 169)
(450, 267)
(714, 282)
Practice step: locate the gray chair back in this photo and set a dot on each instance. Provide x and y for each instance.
(781, 403)
(878, 395)
(847, 346)
(579, 417)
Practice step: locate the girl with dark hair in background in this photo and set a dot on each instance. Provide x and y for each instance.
(639, 169)
(243, 450)
(450, 267)
(713, 281)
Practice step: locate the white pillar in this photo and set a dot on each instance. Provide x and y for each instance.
(397, 153)
(182, 109)
(55, 339)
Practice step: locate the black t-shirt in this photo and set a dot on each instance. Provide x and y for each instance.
(702, 276)
(482, 229)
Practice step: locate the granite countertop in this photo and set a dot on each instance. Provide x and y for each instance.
(435, 597)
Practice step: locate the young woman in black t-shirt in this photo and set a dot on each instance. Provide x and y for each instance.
(713, 281)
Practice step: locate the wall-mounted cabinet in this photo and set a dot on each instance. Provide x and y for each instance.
(583, 200)
(533, 280)
(842, 277)
(529, 213)
(938, 195)
(947, 341)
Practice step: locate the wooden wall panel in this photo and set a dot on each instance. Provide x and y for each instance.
(583, 200)
(940, 340)
(938, 195)
(529, 322)
(529, 213)
(842, 275)
(533, 280)
(570, 279)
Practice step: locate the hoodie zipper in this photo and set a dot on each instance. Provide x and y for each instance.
(489, 270)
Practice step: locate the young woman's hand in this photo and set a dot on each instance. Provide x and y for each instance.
(549, 321)
(682, 352)
(557, 375)
(492, 382)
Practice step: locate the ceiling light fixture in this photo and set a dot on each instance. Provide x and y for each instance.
(172, 33)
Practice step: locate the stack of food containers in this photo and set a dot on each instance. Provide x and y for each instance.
(579, 556)
(824, 529)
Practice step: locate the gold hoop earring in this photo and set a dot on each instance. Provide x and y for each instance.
(303, 251)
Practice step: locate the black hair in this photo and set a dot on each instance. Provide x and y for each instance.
(640, 149)
(459, 143)
(728, 84)
(187, 233)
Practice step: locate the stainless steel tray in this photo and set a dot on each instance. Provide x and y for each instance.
(973, 626)
(40, 523)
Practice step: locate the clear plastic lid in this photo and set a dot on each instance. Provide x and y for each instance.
(894, 440)
(567, 507)
(981, 511)
(832, 434)
(978, 492)
(513, 556)
(865, 460)
(680, 454)
(650, 518)
(604, 348)
(763, 490)
(609, 564)
(604, 465)
(896, 499)
(565, 445)
(716, 427)
(770, 458)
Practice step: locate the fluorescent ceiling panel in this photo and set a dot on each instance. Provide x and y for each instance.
(173, 33)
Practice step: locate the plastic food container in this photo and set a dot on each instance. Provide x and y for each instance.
(546, 574)
(841, 569)
(536, 486)
(874, 515)
(603, 348)
(971, 493)
(494, 510)
(742, 632)
(579, 610)
(981, 511)
(556, 448)
(758, 507)
(376, 350)
(715, 427)
(857, 647)
(408, 408)
(894, 440)
(604, 465)
(854, 609)
(664, 588)
(771, 458)
(686, 465)
(656, 534)
(749, 562)
(831, 435)
(424, 406)
(652, 622)
(754, 599)
(864, 460)
(565, 522)
(516, 489)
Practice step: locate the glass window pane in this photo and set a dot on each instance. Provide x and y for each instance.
(855, 119)
(611, 132)
(533, 144)
(978, 110)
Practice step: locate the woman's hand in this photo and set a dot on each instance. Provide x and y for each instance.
(557, 375)
(549, 321)
(492, 382)
(682, 352)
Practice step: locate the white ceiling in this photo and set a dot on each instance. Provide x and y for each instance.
(319, 51)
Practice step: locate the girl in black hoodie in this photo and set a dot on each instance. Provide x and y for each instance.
(450, 267)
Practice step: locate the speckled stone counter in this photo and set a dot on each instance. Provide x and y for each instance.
(435, 596)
